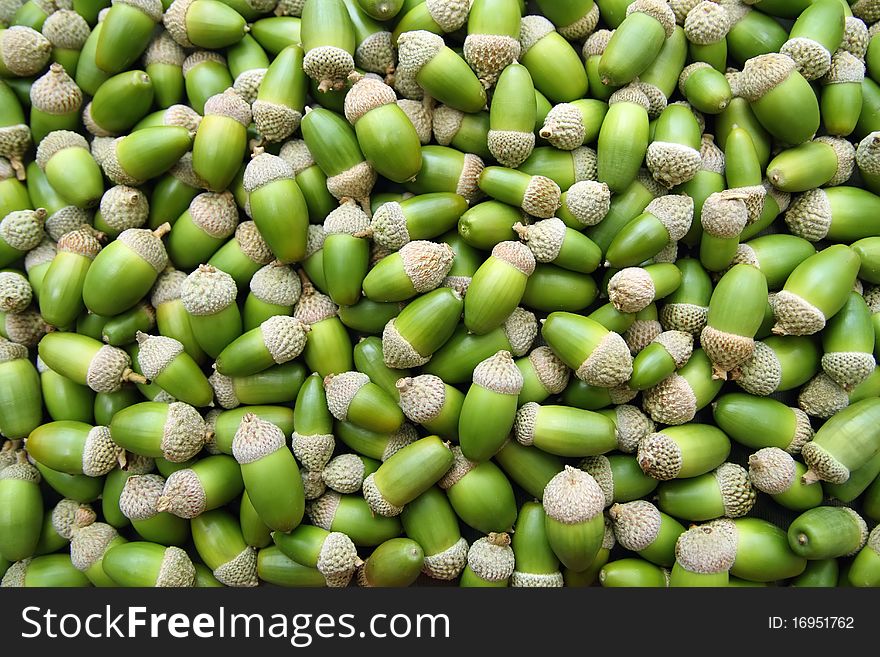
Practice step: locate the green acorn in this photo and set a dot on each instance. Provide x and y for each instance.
(60, 523)
(36, 263)
(815, 291)
(552, 429)
(208, 296)
(87, 362)
(573, 502)
(450, 127)
(222, 425)
(426, 60)
(70, 168)
(55, 103)
(329, 43)
(705, 88)
(864, 569)
(171, 318)
(204, 24)
(568, 126)
(119, 103)
(593, 49)
(584, 204)
(665, 220)
(219, 543)
(844, 443)
(641, 527)
(676, 399)
(815, 35)
(375, 51)
(544, 374)
(773, 471)
(827, 532)
(378, 446)
(706, 26)
(479, 493)
(775, 255)
(22, 514)
(598, 356)
(126, 32)
(683, 451)
(277, 340)
(742, 416)
(369, 358)
(839, 214)
(752, 33)
(14, 192)
(74, 448)
(61, 298)
(859, 481)
(206, 224)
(163, 62)
(536, 564)
(24, 52)
(555, 66)
(633, 573)
(619, 475)
(726, 491)
(64, 399)
(823, 161)
(78, 487)
(505, 271)
(88, 545)
(210, 483)
(625, 57)
(274, 567)
(205, 74)
(346, 473)
(419, 267)
(704, 555)
(275, 33)
(173, 192)
(164, 362)
(243, 254)
(633, 288)
(280, 100)
(767, 78)
(665, 354)
(328, 346)
(352, 397)
(148, 564)
(346, 252)
(277, 385)
(332, 553)
(139, 501)
(122, 207)
(428, 401)
(492, 41)
(623, 138)
(174, 431)
(848, 343)
(511, 135)
(123, 273)
(225, 122)
(113, 484)
(551, 240)
(686, 308)
(436, 17)
(148, 153)
(777, 364)
(564, 168)
(397, 562)
(448, 170)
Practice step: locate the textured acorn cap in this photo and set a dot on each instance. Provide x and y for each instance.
(313, 451)
(224, 390)
(397, 351)
(247, 85)
(341, 390)
(229, 104)
(737, 493)
(491, 558)
(147, 245)
(337, 559)
(313, 306)
(107, 369)
(406, 85)
(599, 468)
(448, 14)
(520, 329)
(515, 254)
(241, 571)
(296, 153)
(284, 337)
(255, 439)
(124, 207)
(10, 351)
(252, 244)
(366, 95)
(822, 397)
(510, 147)
(467, 186)
(657, 9)
(163, 49)
(763, 73)
(426, 263)
(377, 501)
(445, 124)
(274, 121)
(55, 92)
(573, 496)
(631, 427)
(846, 153)
(88, 544)
(167, 287)
(588, 201)
(848, 368)
(636, 524)
(533, 29)
(489, 54)
(70, 514)
(641, 333)
(100, 453)
(543, 238)
(845, 67)
(679, 344)
(552, 373)
(524, 424)
(725, 350)
(772, 470)
(388, 226)
(347, 219)
(706, 23)
(564, 127)
(15, 575)
(855, 39)
(175, 22)
(329, 66)
(541, 197)
(376, 53)
(795, 315)
(421, 397)
(182, 495)
(675, 212)
(344, 473)
(724, 215)
(811, 58)
(706, 549)
(461, 465)
(867, 10)
(207, 291)
(176, 570)
(405, 435)
(420, 114)
(672, 401)
(215, 214)
(15, 292)
(631, 289)
(183, 434)
(276, 283)
(313, 484)
(155, 353)
(609, 364)
(761, 374)
(141, 494)
(199, 57)
(25, 328)
(499, 373)
(868, 154)
(581, 28)
(659, 456)
(23, 50)
(449, 563)
(356, 182)
(23, 229)
(69, 219)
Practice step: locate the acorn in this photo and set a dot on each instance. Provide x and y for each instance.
(815, 35)
(706, 26)
(139, 501)
(206, 224)
(225, 122)
(664, 220)
(126, 32)
(396, 562)
(352, 397)
(492, 41)
(177, 432)
(204, 24)
(863, 571)
(62, 153)
(146, 154)
(550, 428)
(479, 493)
(573, 504)
(778, 363)
(428, 401)
(375, 51)
(625, 57)
(419, 267)
(75, 448)
(280, 99)
(219, 543)
(163, 62)
(619, 476)
(346, 473)
(544, 374)
(122, 207)
(332, 553)
(274, 290)
(445, 169)
(705, 88)
(683, 451)
(88, 545)
(369, 358)
(119, 103)
(24, 328)
(374, 445)
(205, 74)
(507, 269)
(584, 204)
(800, 308)
(511, 136)
(86, 361)
(835, 214)
(55, 103)
(277, 340)
(633, 288)
(328, 346)
(623, 138)
(450, 127)
(20, 391)
(15, 292)
(553, 63)
(665, 354)
(704, 555)
(123, 272)
(676, 399)
(726, 491)
(827, 532)
(598, 356)
(164, 362)
(843, 444)
(346, 252)
(842, 85)
(641, 527)
(739, 415)
(775, 255)
(848, 346)
(310, 179)
(243, 254)
(536, 564)
(64, 399)
(208, 296)
(148, 564)
(773, 471)
(24, 52)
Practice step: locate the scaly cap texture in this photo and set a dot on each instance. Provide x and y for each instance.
(426, 263)
(636, 524)
(795, 315)
(284, 337)
(672, 401)
(341, 390)
(88, 544)
(551, 372)
(675, 212)
(276, 283)
(449, 563)
(515, 254)
(737, 493)
(659, 456)
(140, 496)
(241, 571)
(609, 364)
(312, 451)
(255, 439)
(657, 9)
(344, 473)
(573, 496)
(146, 244)
(772, 470)
(23, 229)
(491, 558)
(631, 427)
(543, 238)
(822, 397)
(421, 397)
(23, 50)
(706, 549)
(100, 453)
(631, 289)
(599, 467)
(216, 214)
(588, 201)
(56, 92)
(499, 373)
(69, 515)
(761, 374)
(207, 291)
(183, 434)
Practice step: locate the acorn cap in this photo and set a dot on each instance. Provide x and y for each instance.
(520, 329)
(630, 94)
(275, 121)
(24, 51)
(88, 544)
(543, 238)
(313, 484)
(56, 92)
(377, 501)
(675, 212)
(491, 557)
(155, 353)
(706, 549)
(448, 14)
(499, 373)
(672, 401)
(296, 153)
(657, 9)
(184, 433)
(581, 28)
(763, 73)
(329, 66)
(795, 315)
(845, 153)
(510, 147)
(15, 575)
(445, 124)
(207, 291)
(247, 85)
(426, 263)
(671, 163)
(344, 473)
(23, 229)
(356, 182)
(241, 571)
(177, 570)
(388, 226)
(631, 427)
(761, 374)
(337, 559)
(524, 423)
(25, 328)
(163, 49)
(848, 368)
(405, 84)
(599, 467)
(199, 57)
(420, 114)
(449, 563)
(313, 306)
(347, 219)
(726, 350)
(276, 283)
(100, 453)
(737, 493)
(341, 390)
(867, 10)
(107, 369)
(10, 351)
(811, 57)
(659, 456)
(69, 515)
(15, 292)
(552, 373)
(421, 397)
(365, 95)
(823, 466)
(631, 289)
(167, 287)
(467, 186)
(609, 364)
(256, 438)
(772, 470)
(405, 435)
(376, 53)
(123, 207)
(845, 67)
(822, 397)
(175, 22)
(417, 48)
(66, 29)
(855, 39)
(215, 214)
(588, 201)
(868, 153)
(147, 245)
(229, 104)
(724, 214)
(103, 148)
(284, 337)
(573, 496)
(313, 451)
(706, 23)
(533, 29)
(636, 524)
(141, 494)
(489, 54)
(67, 219)
(252, 243)
(461, 465)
